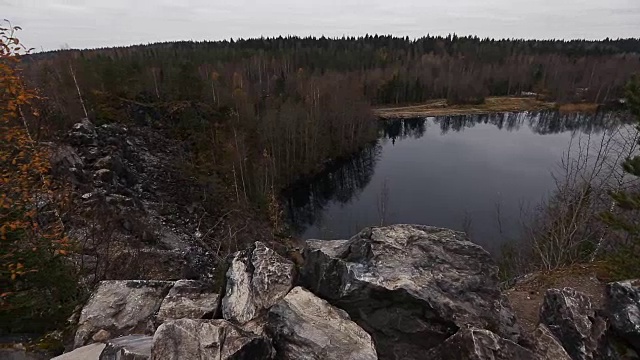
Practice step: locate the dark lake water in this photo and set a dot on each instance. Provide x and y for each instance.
(458, 172)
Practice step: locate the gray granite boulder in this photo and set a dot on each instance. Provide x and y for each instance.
(623, 310)
(411, 287)
(257, 279)
(546, 346)
(189, 299)
(572, 319)
(304, 326)
(208, 339)
(479, 344)
(87, 352)
(132, 347)
(121, 307)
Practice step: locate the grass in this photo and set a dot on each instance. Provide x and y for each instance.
(491, 105)
(579, 107)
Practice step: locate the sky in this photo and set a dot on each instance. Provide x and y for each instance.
(53, 24)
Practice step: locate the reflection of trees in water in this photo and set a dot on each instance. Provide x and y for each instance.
(342, 181)
(401, 129)
(543, 122)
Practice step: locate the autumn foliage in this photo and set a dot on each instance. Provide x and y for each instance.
(32, 242)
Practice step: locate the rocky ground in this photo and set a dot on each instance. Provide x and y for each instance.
(396, 292)
(138, 214)
(527, 295)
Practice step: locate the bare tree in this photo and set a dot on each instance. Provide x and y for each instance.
(565, 228)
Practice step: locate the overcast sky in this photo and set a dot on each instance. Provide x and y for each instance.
(50, 24)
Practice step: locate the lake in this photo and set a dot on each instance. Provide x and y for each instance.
(474, 172)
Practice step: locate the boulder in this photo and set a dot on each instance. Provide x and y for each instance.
(111, 162)
(101, 336)
(478, 344)
(188, 299)
(83, 133)
(304, 326)
(623, 310)
(546, 346)
(207, 339)
(411, 287)
(122, 308)
(132, 347)
(104, 175)
(64, 158)
(257, 279)
(87, 352)
(571, 318)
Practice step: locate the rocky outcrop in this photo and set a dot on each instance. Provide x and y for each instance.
(130, 196)
(257, 279)
(397, 292)
(304, 326)
(132, 347)
(572, 319)
(189, 299)
(478, 344)
(623, 310)
(121, 308)
(208, 339)
(546, 346)
(411, 287)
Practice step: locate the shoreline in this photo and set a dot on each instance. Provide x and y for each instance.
(491, 105)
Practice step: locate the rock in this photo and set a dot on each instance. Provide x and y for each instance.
(304, 326)
(104, 175)
(571, 318)
(88, 352)
(132, 347)
(546, 346)
(101, 336)
(113, 163)
(83, 133)
(257, 279)
(188, 299)
(22, 354)
(85, 127)
(121, 308)
(65, 157)
(478, 344)
(67, 164)
(411, 287)
(623, 310)
(207, 339)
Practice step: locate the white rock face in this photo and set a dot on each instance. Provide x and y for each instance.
(304, 326)
(410, 286)
(571, 317)
(88, 352)
(188, 299)
(121, 308)
(623, 309)
(479, 344)
(132, 347)
(257, 279)
(207, 340)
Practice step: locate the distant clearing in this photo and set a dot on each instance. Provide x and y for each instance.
(491, 105)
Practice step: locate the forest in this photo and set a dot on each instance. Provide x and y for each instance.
(264, 112)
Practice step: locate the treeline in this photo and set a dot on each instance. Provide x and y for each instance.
(263, 112)
(389, 70)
